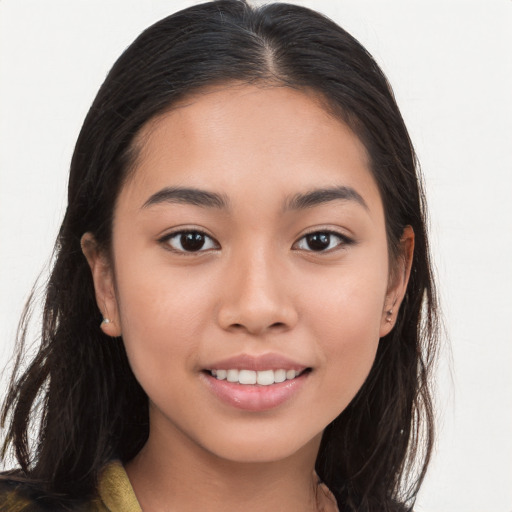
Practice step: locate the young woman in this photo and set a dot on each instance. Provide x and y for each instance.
(241, 313)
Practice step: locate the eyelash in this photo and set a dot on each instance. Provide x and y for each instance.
(343, 241)
(166, 240)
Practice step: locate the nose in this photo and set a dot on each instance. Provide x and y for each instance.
(256, 296)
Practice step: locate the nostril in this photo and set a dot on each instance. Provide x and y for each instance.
(276, 326)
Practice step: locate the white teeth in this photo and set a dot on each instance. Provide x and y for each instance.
(279, 375)
(232, 375)
(265, 378)
(247, 377)
(262, 377)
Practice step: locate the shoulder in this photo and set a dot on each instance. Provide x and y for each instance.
(23, 496)
(18, 496)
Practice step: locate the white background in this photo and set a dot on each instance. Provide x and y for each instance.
(451, 68)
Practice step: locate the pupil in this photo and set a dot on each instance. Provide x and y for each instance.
(192, 241)
(318, 241)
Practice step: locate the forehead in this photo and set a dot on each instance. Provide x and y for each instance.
(236, 138)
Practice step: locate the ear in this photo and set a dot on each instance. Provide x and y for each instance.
(398, 282)
(103, 278)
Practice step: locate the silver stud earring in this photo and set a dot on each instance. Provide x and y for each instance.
(106, 321)
(389, 315)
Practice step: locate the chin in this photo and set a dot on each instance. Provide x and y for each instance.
(263, 449)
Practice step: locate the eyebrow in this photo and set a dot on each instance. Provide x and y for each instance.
(301, 201)
(324, 195)
(187, 195)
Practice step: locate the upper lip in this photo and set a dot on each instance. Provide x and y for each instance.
(257, 363)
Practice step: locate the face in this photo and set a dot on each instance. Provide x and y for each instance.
(250, 273)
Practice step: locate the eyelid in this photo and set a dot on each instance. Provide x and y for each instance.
(164, 240)
(345, 240)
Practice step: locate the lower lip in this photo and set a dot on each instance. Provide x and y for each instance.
(254, 397)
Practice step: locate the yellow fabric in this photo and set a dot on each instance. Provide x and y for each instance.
(115, 494)
(115, 490)
(11, 501)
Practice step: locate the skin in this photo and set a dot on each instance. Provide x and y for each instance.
(258, 288)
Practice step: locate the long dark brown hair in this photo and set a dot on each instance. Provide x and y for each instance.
(91, 408)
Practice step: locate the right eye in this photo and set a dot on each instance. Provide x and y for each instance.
(190, 241)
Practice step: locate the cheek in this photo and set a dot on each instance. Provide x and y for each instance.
(344, 316)
(347, 304)
(161, 319)
(348, 353)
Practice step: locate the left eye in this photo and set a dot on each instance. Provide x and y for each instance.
(190, 241)
(321, 241)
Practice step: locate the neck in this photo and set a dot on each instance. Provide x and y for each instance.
(183, 476)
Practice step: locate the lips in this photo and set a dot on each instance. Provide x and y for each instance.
(256, 383)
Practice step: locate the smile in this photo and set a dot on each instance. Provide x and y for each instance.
(251, 377)
(255, 390)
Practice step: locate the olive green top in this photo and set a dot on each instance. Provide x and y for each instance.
(115, 491)
(115, 494)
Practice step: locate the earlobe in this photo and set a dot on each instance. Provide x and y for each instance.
(103, 279)
(398, 282)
